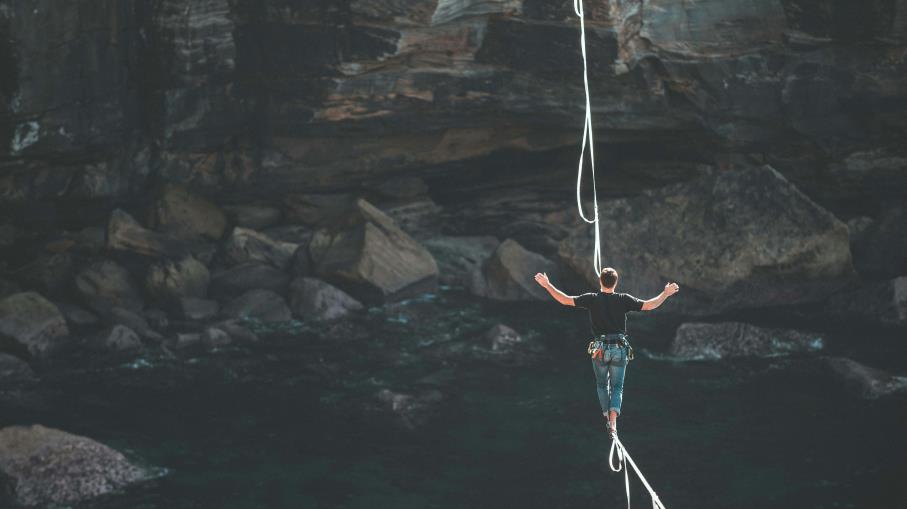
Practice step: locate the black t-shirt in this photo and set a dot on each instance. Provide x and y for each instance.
(608, 311)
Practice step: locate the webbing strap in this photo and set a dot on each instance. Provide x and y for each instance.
(587, 139)
(623, 459)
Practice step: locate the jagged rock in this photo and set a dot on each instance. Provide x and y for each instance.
(186, 215)
(736, 239)
(120, 338)
(14, 370)
(254, 217)
(263, 305)
(871, 383)
(167, 280)
(226, 333)
(313, 299)
(880, 303)
(33, 322)
(134, 321)
(193, 308)
(247, 276)
(106, 284)
(502, 338)
(410, 411)
(509, 273)
(49, 467)
(245, 245)
(371, 258)
(734, 339)
(460, 260)
(125, 234)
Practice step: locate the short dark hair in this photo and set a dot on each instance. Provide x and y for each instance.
(608, 277)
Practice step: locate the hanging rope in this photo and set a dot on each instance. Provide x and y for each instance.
(587, 138)
(617, 447)
(622, 460)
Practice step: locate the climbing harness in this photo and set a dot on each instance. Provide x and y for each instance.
(587, 138)
(624, 459)
(617, 447)
(596, 347)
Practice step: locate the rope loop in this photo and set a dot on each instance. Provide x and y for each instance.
(587, 140)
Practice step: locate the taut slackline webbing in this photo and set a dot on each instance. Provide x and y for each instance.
(617, 447)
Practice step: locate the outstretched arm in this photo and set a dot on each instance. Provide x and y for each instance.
(670, 289)
(542, 279)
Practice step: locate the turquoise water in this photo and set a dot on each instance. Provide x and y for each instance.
(281, 424)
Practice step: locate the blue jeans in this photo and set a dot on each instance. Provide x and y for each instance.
(609, 376)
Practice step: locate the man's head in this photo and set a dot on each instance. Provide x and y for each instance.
(608, 278)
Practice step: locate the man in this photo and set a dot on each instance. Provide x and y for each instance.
(607, 315)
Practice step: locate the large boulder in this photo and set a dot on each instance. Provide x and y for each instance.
(460, 259)
(106, 284)
(314, 299)
(245, 245)
(882, 302)
(734, 339)
(869, 382)
(509, 273)
(124, 233)
(184, 214)
(239, 279)
(33, 322)
(134, 321)
(169, 280)
(367, 255)
(48, 467)
(734, 239)
(261, 305)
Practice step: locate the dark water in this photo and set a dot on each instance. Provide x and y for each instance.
(266, 427)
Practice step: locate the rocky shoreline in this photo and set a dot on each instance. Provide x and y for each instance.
(184, 177)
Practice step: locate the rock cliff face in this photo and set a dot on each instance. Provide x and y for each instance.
(232, 131)
(98, 97)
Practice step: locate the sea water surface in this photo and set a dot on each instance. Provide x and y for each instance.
(262, 427)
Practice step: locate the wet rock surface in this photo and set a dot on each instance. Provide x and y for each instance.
(508, 273)
(45, 467)
(731, 240)
(260, 304)
(33, 323)
(371, 257)
(869, 382)
(734, 339)
(313, 299)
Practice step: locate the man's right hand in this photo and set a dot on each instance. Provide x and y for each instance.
(671, 289)
(542, 279)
